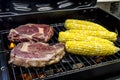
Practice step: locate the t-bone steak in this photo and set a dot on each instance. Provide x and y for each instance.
(31, 32)
(29, 54)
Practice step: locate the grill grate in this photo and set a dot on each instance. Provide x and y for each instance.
(69, 64)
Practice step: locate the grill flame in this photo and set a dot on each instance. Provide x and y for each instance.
(41, 75)
(12, 45)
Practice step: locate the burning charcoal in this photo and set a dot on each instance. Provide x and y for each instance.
(77, 65)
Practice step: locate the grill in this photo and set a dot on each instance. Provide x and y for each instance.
(71, 66)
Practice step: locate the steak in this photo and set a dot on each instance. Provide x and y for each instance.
(31, 32)
(29, 54)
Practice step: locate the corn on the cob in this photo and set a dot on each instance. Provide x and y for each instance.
(66, 36)
(112, 36)
(90, 48)
(82, 25)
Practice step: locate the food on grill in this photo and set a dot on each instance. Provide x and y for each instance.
(91, 48)
(112, 36)
(83, 25)
(87, 38)
(29, 54)
(66, 36)
(31, 32)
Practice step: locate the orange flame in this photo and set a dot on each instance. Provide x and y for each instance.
(100, 58)
(12, 45)
(41, 75)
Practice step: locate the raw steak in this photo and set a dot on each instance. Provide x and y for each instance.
(31, 32)
(29, 54)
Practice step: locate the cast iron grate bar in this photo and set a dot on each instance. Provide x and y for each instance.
(86, 61)
(92, 61)
(57, 25)
(118, 54)
(56, 31)
(63, 66)
(60, 28)
(42, 73)
(71, 59)
(104, 59)
(65, 60)
(109, 58)
(49, 71)
(79, 60)
(21, 73)
(58, 69)
(14, 74)
(54, 39)
(29, 73)
(36, 72)
(113, 57)
(117, 43)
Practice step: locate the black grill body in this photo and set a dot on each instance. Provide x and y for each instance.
(71, 66)
(28, 6)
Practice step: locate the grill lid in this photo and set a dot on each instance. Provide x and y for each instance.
(43, 5)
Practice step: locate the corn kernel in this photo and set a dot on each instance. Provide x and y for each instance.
(90, 48)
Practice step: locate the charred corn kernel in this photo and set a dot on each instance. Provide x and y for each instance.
(112, 36)
(90, 48)
(66, 36)
(82, 25)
